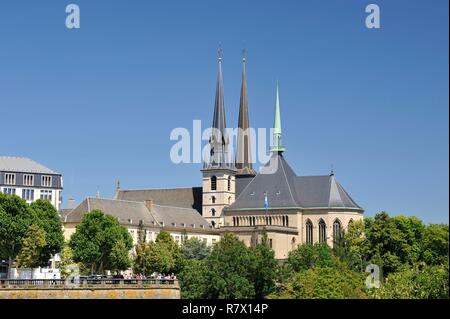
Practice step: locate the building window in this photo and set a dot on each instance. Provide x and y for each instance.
(28, 194)
(270, 220)
(322, 232)
(213, 183)
(336, 232)
(229, 200)
(213, 223)
(213, 199)
(46, 194)
(229, 183)
(28, 180)
(10, 179)
(287, 221)
(9, 191)
(309, 232)
(350, 222)
(213, 212)
(270, 242)
(46, 181)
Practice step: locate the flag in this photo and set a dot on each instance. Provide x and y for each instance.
(266, 201)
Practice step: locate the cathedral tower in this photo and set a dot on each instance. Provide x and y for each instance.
(218, 172)
(243, 145)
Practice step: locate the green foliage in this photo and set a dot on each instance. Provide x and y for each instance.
(229, 270)
(307, 256)
(32, 247)
(162, 256)
(48, 219)
(192, 279)
(264, 268)
(337, 282)
(119, 256)
(195, 248)
(94, 239)
(66, 260)
(15, 219)
(420, 282)
(435, 244)
(16, 216)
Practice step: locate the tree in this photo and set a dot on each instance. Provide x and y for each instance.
(307, 256)
(15, 219)
(66, 260)
(418, 282)
(163, 255)
(228, 270)
(435, 244)
(337, 282)
(353, 248)
(33, 245)
(264, 268)
(139, 251)
(48, 219)
(120, 256)
(94, 239)
(194, 248)
(192, 279)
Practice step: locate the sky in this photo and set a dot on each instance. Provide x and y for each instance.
(98, 103)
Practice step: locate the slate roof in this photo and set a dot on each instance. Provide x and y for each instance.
(23, 164)
(285, 189)
(190, 197)
(132, 212)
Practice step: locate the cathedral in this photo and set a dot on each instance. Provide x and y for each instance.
(235, 198)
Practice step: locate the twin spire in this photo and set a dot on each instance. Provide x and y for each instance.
(219, 139)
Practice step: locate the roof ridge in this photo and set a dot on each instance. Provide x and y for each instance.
(156, 189)
(114, 199)
(287, 182)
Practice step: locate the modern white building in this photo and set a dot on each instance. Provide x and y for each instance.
(30, 180)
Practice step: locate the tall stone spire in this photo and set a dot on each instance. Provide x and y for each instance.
(243, 145)
(277, 142)
(219, 137)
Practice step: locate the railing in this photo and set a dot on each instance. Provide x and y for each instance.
(108, 282)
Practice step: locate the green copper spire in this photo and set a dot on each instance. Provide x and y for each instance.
(277, 144)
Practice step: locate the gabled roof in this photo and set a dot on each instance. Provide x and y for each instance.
(23, 164)
(132, 212)
(285, 189)
(128, 212)
(190, 197)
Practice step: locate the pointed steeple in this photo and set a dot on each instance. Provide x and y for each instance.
(277, 143)
(219, 137)
(243, 146)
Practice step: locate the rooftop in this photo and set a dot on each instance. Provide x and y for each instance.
(23, 164)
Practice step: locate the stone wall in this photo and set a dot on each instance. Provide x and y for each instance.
(171, 292)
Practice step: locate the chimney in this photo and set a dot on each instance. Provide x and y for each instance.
(149, 204)
(71, 203)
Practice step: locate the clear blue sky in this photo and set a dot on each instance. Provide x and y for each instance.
(98, 104)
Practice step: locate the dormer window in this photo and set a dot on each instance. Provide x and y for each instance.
(46, 181)
(28, 180)
(252, 194)
(10, 179)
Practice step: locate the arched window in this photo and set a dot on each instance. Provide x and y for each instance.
(213, 223)
(309, 232)
(213, 183)
(213, 212)
(322, 232)
(229, 183)
(213, 199)
(336, 232)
